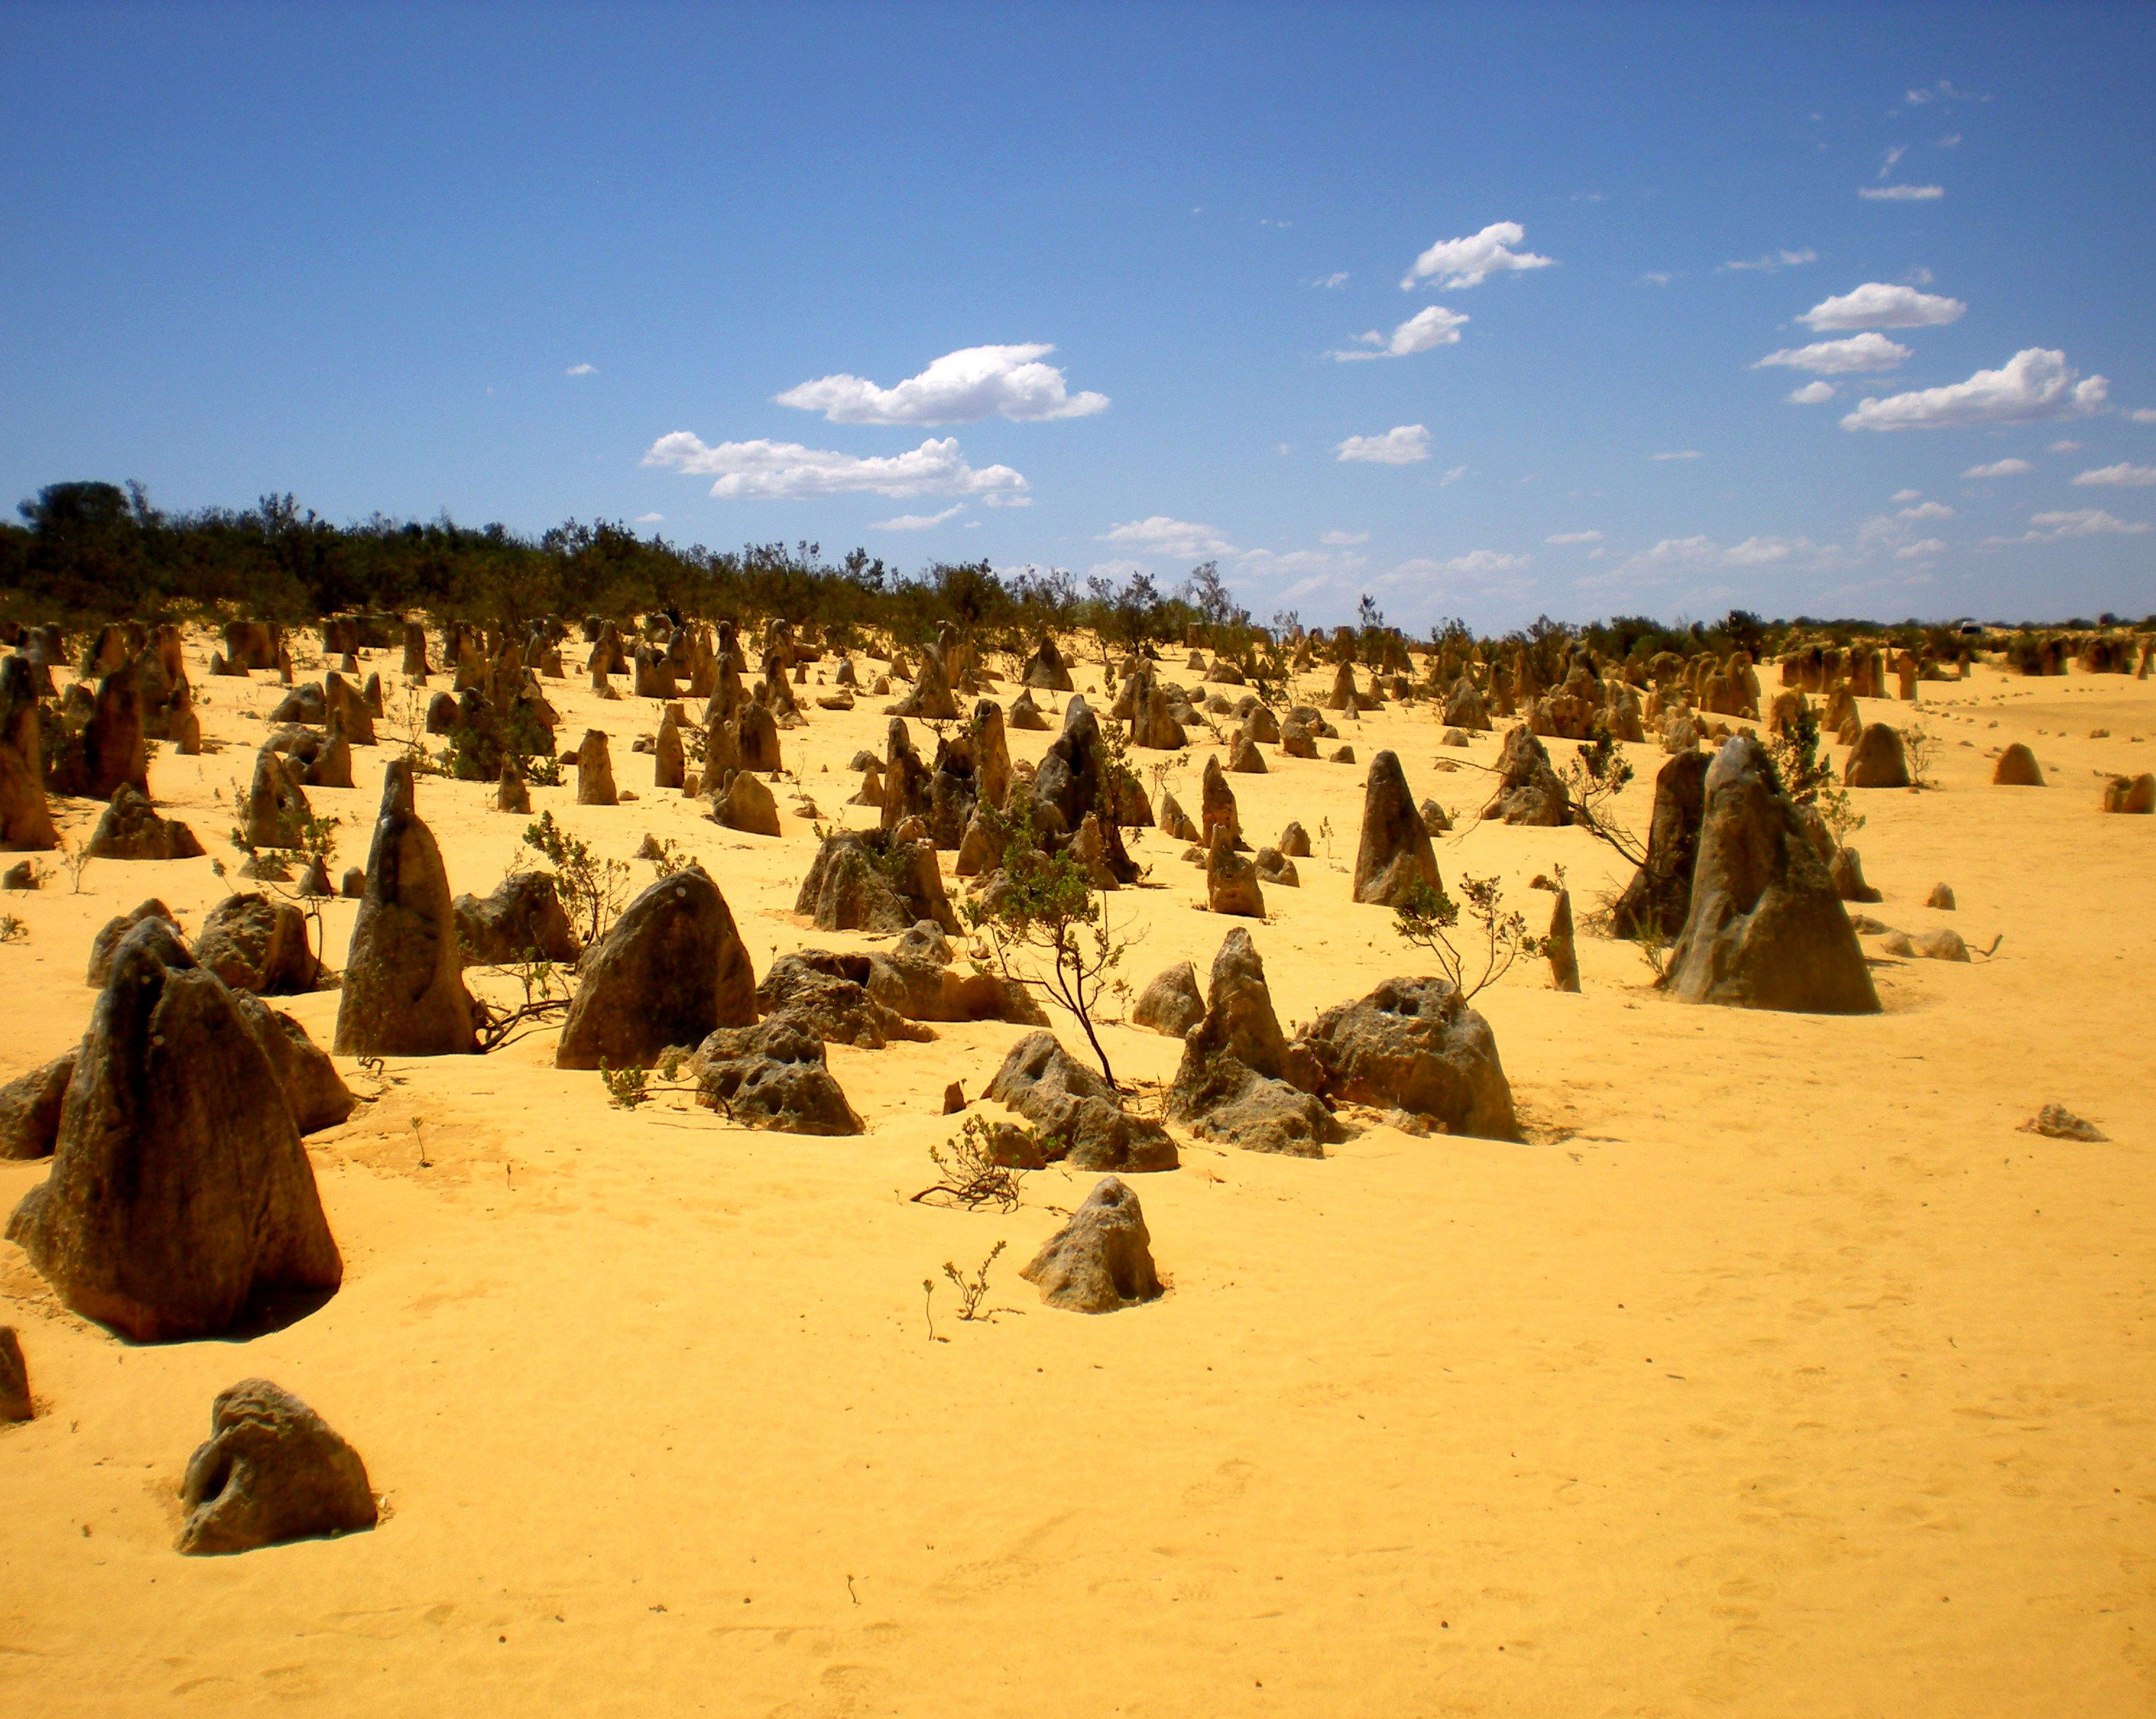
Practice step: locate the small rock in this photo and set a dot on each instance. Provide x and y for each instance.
(272, 1472)
(2056, 1122)
(1101, 1260)
(954, 1099)
(1941, 897)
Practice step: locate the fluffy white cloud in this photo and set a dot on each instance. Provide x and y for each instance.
(1432, 327)
(1907, 496)
(1878, 305)
(786, 469)
(2132, 477)
(1452, 476)
(959, 388)
(1333, 281)
(2064, 448)
(1926, 509)
(1918, 551)
(2000, 468)
(1694, 555)
(651, 519)
(919, 522)
(1574, 537)
(1680, 454)
(1773, 262)
(1901, 193)
(1402, 445)
(2144, 414)
(1812, 393)
(2033, 384)
(2078, 522)
(1345, 540)
(1160, 535)
(582, 370)
(1470, 261)
(1849, 357)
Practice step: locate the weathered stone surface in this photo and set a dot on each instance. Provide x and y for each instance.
(867, 880)
(26, 818)
(272, 1472)
(523, 919)
(1062, 1097)
(595, 772)
(1464, 707)
(773, 1074)
(258, 945)
(826, 994)
(931, 697)
(1765, 928)
(1294, 842)
(1559, 947)
(2135, 796)
(1528, 790)
(129, 829)
(1845, 871)
(1231, 881)
(179, 1192)
(671, 971)
(1103, 1259)
(107, 940)
(314, 1092)
(404, 992)
(1658, 896)
(30, 1110)
(917, 976)
(1412, 1045)
(1393, 857)
(2055, 1121)
(2017, 767)
(1171, 1004)
(1217, 806)
(1025, 714)
(745, 803)
(1046, 669)
(15, 1403)
(112, 749)
(1239, 1079)
(1243, 756)
(277, 808)
(1876, 760)
(1274, 867)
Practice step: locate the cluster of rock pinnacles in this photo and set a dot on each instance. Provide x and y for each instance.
(180, 1202)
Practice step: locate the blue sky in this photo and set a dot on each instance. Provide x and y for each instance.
(697, 269)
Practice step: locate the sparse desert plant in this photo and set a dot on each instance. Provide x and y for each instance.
(974, 1289)
(74, 860)
(1654, 947)
(1046, 925)
(1808, 779)
(969, 1174)
(1495, 937)
(12, 929)
(1593, 777)
(626, 1088)
(593, 889)
(1921, 747)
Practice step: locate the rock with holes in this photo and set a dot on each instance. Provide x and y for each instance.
(1239, 1080)
(258, 945)
(273, 1471)
(1172, 1004)
(2055, 1121)
(1101, 1261)
(277, 808)
(107, 940)
(870, 880)
(826, 993)
(671, 971)
(1528, 790)
(773, 1074)
(1765, 928)
(180, 1193)
(1413, 1045)
(1062, 1097)
(404, 991)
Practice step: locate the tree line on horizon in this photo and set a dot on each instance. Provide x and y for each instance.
(88, 551)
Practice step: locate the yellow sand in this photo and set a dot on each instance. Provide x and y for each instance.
(1778, 1374)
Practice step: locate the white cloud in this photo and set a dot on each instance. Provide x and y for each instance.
(1481, 563)
(1918, 551)
(1470, 261)
(1159, 535)
(1811, 394)
(1901, 193)
(1894, 155)
(1907, 496)
(2034, 383)
(2064, 448)
(1856, 353)
(1926, 509)
(2144, 414)
(1773, 262)
(651, 519)
(959, 388)
(2132, 477)
(1658, 277)
(1574, 537)
(582, 370)
(1452, 476)
(919, 522)
(1691, 556)
(1877, 305)
(1329, 281)
(1431, 326)
(2079, 522)
(1402, 445)
(1345, 540)
(1680, 453)
(1950, 140)
(2000, 468)
(786, 469)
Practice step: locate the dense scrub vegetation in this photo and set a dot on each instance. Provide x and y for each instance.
(93, 552)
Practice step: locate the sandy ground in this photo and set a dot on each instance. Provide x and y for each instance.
(1777, 1374)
